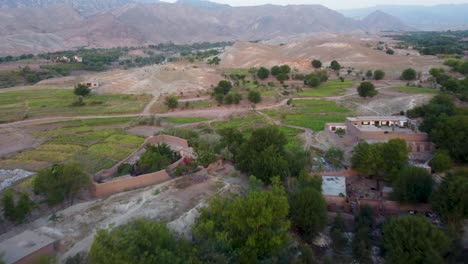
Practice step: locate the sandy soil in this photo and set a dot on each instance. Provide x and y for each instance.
(355, 51)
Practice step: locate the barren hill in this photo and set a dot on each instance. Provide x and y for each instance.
(380, 21)
(33, 30)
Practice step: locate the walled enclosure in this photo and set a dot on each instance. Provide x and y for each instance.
(128, 182)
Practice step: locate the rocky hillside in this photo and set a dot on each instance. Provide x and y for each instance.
(380, 21)
(32, 30)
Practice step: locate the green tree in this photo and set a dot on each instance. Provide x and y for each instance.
(312, 80)
(60, 182)
(441, 161)
(275, 70)
(409, 74)
(450, 133)
(223, 87)
(140, 241)
(369, 74)
(81, 90)
(308, 212)
(450, 200)
(361, 244)
(263, 73)
(379, 75)
(367, 89)
(390, 52)
(413, 185)
(171, 102)
(285, 69)
(254, 97)
(412, 239)
(316, 64)
(23, 207)
(245, 229)
(282, 77)
(9, 207)
(334, 156)
(367, 159)
(394, 156)
(334, 65)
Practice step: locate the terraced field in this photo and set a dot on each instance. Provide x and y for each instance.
(326, 89)
(29, 103)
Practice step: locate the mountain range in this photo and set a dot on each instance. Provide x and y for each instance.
(32, 26)
(437, 17)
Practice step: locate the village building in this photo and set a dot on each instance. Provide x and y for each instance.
(26, 247)
(375, 129)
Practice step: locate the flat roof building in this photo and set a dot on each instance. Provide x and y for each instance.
(26, 247)
(334, 185)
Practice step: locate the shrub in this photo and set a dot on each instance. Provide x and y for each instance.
(379, 75)
(81, 90)
(316, 64)
(409, 74)
(441, 161)
(367, 89)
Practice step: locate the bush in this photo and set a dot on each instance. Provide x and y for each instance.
(367, 89)
(379, 75)
(78, 102)
(312, 80)
(441, 161)
(171, 102)
(409, 74)
(255, 97)
(334, 65)
(390, 52)
(263, 73)
(81, 90)
(316, 64)
(156, 158)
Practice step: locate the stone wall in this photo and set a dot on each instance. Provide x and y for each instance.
(128, 182)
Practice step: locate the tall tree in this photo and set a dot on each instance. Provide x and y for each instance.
(245, 229)
(60, 182)
(413, 185)
(367, 89)
(140, 241)
(409, 74)
(317, 64)
(263, 73)
(334, 65)
(412, 239)
(450, 200)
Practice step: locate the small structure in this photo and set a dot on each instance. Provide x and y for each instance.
(334, 185)
(77, 58)
(91, 84)
(26, 247)
(382, 129)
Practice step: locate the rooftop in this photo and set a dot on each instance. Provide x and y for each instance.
(22, 245)
(333, 185)
(377, 118)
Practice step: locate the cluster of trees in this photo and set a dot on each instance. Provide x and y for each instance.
(376, 75)
(281, 72)
(367, 89)
(362, 241)
(450, 200)
(222, 93)
(450, 84)
(16, 211)
(10, 58)
(232, 229)
(316, 78)
(446, 125)
(214, 61)
(61, 182)
(434, 43)
(155, 158)
(185, 49)
(264, 154)
(389, 161)
(143, 61)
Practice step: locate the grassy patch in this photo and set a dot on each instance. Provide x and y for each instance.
(185, 120)
(311, 114)
(330, 88)
(201, 104)
(126, 139)
(414, 90)
(243, 123)
(21, 104)
(111, 150)
(239, 71)
(84, 139)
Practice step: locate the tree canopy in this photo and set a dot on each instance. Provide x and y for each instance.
(245, 229)
(171, 102)
(409, 74)
(316, 64)
(254, 97)
(140, 241)
(412, 239)
(367, 89)
(413, 185)
(441, 161)
(223, 87)
(263, 73)
(308, 211)
(379, 74)
(450, 200)
(334, 65)
(60, 182)
(81, 89)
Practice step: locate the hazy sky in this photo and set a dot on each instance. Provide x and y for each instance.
(337, 4)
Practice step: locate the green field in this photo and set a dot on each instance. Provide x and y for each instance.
(185, 120)
(201, 104)
(311, 114)
(242, 123)
(30, 103)
(95, 144)
(414, 90)
(326, 89)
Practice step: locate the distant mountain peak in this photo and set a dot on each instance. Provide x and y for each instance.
(381, 21)
(202, 4)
